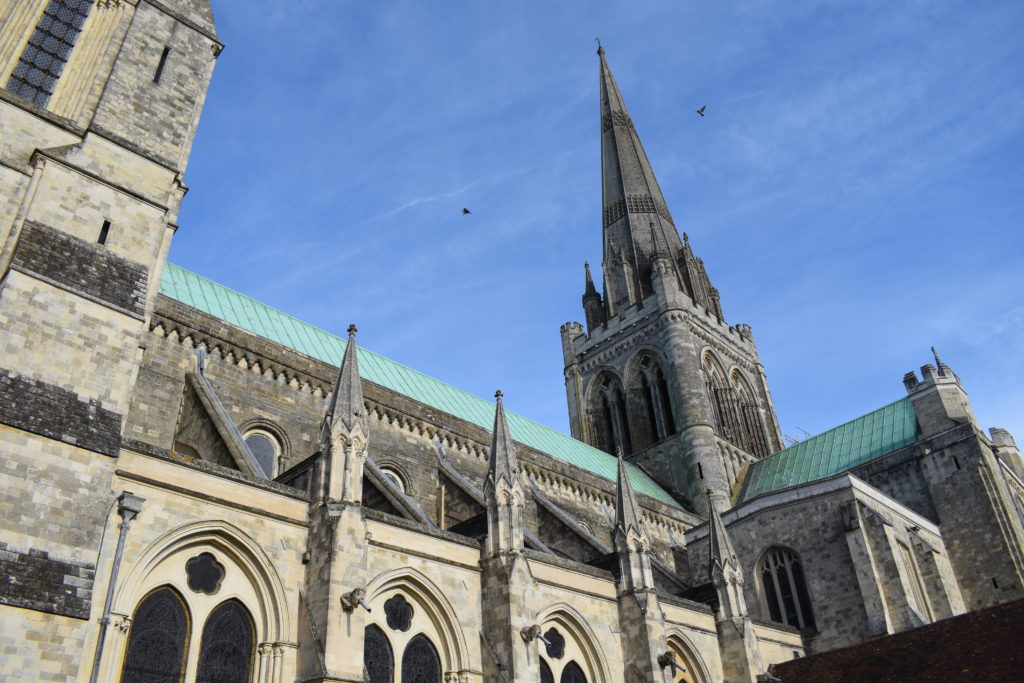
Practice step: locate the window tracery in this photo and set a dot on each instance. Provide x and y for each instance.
(420, 663)
(158, 639)
(204, 573)
(609, 416)
(555, 646)
(398, 612)
(737, 415)
(378, 658)
(228, 645)
(784, 589)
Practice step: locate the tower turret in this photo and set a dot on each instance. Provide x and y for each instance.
(592, 305)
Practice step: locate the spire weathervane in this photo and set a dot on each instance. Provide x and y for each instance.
(600, 49)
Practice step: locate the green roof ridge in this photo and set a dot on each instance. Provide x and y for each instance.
(181, 284)
(840, 448)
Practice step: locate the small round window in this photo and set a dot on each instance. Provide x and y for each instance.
(265, 447)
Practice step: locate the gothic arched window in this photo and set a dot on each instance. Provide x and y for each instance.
(784, 589)
(755, 441)
(572, 673)
(545, 673)
(668, 420)
(608, 416)
(420, 663)
(227, 649)
(157, 643)
(650, 404)
(378, 659)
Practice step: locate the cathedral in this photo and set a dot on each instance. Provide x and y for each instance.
(198, 487)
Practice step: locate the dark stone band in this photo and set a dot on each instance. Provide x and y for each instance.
(79, 266)
(34, 580)
(48, 410)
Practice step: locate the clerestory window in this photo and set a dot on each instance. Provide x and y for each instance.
(35, 76)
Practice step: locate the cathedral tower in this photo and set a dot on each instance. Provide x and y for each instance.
(658, 372)
(99, 101)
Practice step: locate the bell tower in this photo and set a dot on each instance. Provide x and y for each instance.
(658, 372)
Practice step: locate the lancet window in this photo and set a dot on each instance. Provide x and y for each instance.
(650, 404)
(784, 589)
(158, 640)
(227, 650)
(49, 47)
(736, 411)
(609, 416)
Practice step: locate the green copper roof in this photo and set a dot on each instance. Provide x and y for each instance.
(249, 314)
(839, 449)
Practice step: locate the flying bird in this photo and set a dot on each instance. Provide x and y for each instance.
(701, 110)
(466, 212)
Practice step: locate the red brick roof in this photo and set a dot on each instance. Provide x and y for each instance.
(987, 645)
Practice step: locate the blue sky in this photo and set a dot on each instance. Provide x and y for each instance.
(855, 190)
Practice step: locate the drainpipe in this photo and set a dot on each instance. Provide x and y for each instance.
(129, 505)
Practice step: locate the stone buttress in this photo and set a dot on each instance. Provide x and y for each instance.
(336, 570)
(741, 656)
(506, 581)
(641, 622)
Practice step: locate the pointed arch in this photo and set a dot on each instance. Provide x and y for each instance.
(269, 605)
(427, 598)
(159, 637)
(575, 628)
(227, 653)
(607, 412)
(753, 434)
(687, 655)
(650, 400)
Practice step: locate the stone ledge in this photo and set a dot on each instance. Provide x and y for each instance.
(402, 522)
(571, 565)
(212, 468)
(683, 602)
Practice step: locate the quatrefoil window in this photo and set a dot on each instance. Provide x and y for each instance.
(204, 573)
(398, 612)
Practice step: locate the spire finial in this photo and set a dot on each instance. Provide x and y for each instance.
(600, 49)
(498, 395)
(352, 329)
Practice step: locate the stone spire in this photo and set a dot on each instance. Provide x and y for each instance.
(344, 431)
(741, 654)
(503, 490)
(632, 199)
(724, 568)
(629, 536)
(346, 404)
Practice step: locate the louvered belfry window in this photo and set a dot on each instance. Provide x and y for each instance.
(35, 76)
